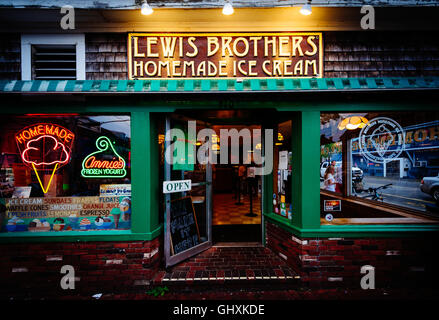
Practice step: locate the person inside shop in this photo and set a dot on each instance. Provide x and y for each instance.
(251, 178)
(330, 182)
(241, 176)
(337, 176)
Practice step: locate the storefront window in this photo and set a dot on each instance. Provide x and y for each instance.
(331, 154)
(65, 172)
(392, 161)
(282, 164)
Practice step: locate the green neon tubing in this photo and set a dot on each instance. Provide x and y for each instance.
(103, 143)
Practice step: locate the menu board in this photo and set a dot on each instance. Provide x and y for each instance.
(183, 226)
(66, 214)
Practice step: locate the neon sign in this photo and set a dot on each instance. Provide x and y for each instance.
(100, 164)
(45, 147)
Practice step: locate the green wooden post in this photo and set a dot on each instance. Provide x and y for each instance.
(144, 173)
(305, 170)
(267, 189)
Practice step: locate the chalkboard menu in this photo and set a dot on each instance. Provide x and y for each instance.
(183, 226)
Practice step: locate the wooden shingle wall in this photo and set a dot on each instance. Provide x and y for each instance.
(346, 55)
(10, 57)
(380, 54)
(106, 56)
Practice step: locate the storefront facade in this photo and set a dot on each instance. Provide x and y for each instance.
(85, 176)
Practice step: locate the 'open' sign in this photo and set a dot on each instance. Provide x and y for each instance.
(176, 186)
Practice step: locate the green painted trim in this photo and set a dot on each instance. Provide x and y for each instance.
(355, 106)
(198, 85)
(144, 173)
(352, 231)
(306, 180)
(76, 236)
(267, 187)
(153, 186)
(153, 106)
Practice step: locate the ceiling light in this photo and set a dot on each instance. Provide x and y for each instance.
(146, 9)
(228, 9)
(352, 123)
(306, 9)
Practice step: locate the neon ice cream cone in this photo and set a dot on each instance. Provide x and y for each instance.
(50, 180)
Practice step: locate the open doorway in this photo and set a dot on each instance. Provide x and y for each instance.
(237, 191)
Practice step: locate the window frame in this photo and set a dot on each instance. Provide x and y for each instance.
(28, 40)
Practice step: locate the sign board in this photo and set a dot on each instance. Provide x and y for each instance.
(251, 172)
(104, 163)
(283, 160)
(183, 226)
(331, 205)
(176, 186)
(45, 147)
(225, 55)
(22, 192)
(112, 190)
(67, 213)
(329, 217)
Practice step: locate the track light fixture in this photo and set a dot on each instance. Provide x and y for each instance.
(146, 9)
(228, 8)
(306, 9)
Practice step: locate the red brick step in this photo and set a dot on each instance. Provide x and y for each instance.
(234, 266)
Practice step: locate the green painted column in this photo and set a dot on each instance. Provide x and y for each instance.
(144, 174)
(305, 170)
(267, 189)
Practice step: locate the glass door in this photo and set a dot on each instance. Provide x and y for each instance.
(188, 213)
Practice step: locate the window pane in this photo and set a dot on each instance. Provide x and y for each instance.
(331, 154)
(392, 161)
(398, 153)
(282, 163)
(65, 172)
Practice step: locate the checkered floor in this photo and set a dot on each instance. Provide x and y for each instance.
(225, 211)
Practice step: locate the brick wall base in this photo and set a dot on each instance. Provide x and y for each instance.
(35, 269)
(336, 262)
